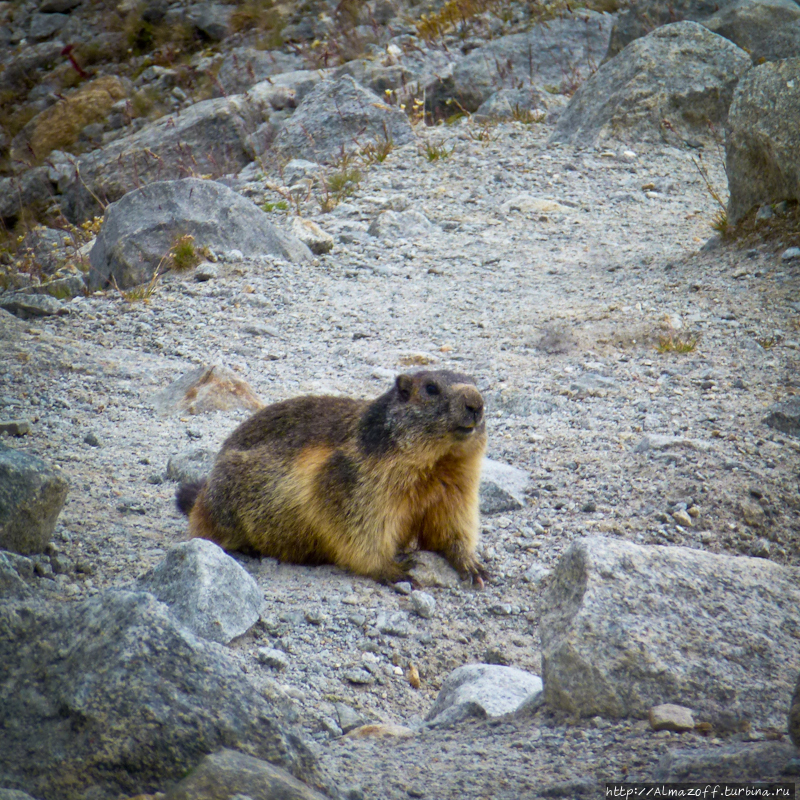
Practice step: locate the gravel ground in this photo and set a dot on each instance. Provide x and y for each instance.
(556, 308)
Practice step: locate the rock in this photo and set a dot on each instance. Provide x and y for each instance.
(393, 624)
(510, 103)
(244, 67)
(23, 68)
(790, 254)
(207, 592)
(669, 717)
(31, 497)
(644, 16)
(270, 657)
(502, 487)
(210, 137)
(58, 6)
(58, 126)
(339, 115)
(44, 26)
(668, 85)
(431, 569)
(311, 235)
(768, 29)
(228, 773)
(31, 189)
(379, 731)
(423, 603)
(527, 203)
(31, 306)
(401, 225)
(658, 441)
(11, 583)
(206, 389)
(559, 53)
(737, 762)
(139, 230)
(794, 715)
(763, 138)
(626, 627)
(15, 427)
(483, 690)
(113, 694)
(13, 794)
(349, 719)
(190, 466)
(213, 20)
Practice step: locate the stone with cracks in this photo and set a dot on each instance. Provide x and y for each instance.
(111, 697)
(228, 774)
(626, 627)
(31, 497)
(207, 138)
(483, 690)
(502, 487)
(560, 51)
(763, 138)
(644, 16)
(207, 592)
(206, 389)
(768, 29)
(745, 763)
(340, 116)
(675, 84)
(140, 229)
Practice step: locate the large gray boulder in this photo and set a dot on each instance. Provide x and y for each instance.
(31, 497)
(768, 29)
(763, 141)
(139, 230)
(207, 592)
(644, 16)
(232, 774)
(244, 67)
(626, 627)
(559, 53)
(340, 115)
(675, 82)
(112, 697)
(207, 138)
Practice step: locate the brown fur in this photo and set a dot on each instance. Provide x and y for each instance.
(351, 482)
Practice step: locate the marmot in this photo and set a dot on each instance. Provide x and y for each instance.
(333, 480)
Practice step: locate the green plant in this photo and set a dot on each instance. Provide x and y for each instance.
(376, 152)
(437, 151)
(260, 16)
(527, 116)
(183, 254)
(143, 292)
(768, 342)
(482, 134)
(454, 13)
(343, 182)
(674, 342)
(281, 205)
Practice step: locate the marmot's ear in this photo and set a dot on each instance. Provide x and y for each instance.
(404, 383)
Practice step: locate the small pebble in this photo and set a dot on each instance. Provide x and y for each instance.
(271, 657)
(423, 603)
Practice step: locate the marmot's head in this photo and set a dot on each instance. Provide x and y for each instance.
(438, 409)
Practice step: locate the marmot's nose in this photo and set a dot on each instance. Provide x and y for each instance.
(474, 404)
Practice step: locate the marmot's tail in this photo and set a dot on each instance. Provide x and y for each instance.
(187, 494)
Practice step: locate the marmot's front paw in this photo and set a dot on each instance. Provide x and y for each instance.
(471, 569)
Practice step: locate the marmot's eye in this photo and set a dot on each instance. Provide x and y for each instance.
(432, 389)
